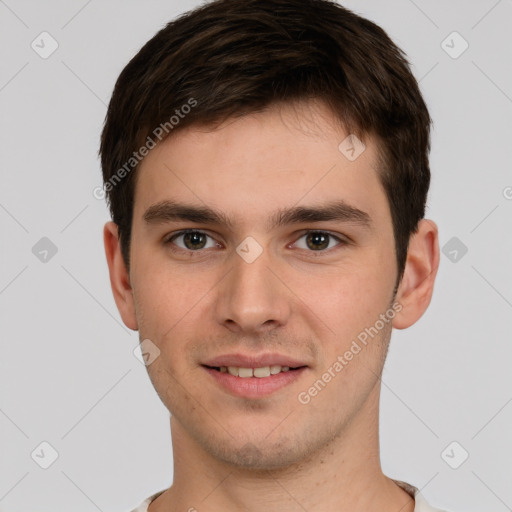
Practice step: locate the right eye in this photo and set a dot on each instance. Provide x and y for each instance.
(192, 240)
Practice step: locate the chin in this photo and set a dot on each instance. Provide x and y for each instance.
(260, 455)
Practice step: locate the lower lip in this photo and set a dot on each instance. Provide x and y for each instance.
(255, 387)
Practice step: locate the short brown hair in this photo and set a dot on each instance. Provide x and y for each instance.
(229, 58)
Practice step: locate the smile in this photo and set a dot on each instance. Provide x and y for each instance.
(262, 372)
(254, 382)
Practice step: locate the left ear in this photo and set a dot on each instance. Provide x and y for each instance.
(417, 284)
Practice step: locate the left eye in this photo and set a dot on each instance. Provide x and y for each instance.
(318, 240)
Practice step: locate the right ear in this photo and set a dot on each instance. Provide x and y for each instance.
(119, 277)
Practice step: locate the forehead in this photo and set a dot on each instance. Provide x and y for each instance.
(286, 155)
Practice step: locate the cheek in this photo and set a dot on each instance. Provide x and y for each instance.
(349, 300)
(160, 293)
(160, 302)
(355, 346)
(172, 309)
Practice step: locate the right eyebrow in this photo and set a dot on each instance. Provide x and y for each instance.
(166, 211)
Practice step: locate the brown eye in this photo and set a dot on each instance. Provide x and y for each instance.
(194, 240)
(318, 241)
(191, 240)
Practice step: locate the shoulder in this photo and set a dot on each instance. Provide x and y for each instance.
(421, 504)
(143, 507)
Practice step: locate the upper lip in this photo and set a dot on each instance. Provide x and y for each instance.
(254, 361)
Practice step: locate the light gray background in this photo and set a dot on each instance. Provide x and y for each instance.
(68, 373)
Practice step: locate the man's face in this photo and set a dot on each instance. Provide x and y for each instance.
(283, 293)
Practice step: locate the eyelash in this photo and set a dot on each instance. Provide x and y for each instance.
(170, 239)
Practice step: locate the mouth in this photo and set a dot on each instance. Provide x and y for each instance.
(254, 383)
(260, 373)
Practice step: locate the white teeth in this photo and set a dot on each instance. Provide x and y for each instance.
(244, 373)
(262, 372)
(275, 369)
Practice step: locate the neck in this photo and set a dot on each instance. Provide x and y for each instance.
(344, 476)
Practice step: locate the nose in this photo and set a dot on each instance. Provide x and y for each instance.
(251, 298)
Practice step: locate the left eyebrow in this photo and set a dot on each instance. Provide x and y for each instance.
(337, 210)
(168, 211)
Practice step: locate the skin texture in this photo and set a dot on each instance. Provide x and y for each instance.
(273, 453)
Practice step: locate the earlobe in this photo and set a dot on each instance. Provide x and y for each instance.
(119, 277)
(417, 284)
